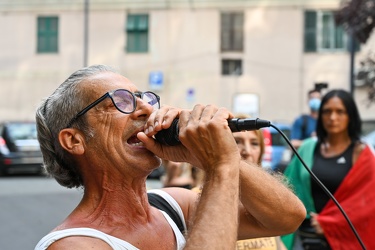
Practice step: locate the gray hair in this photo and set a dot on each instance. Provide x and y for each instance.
(54, 114)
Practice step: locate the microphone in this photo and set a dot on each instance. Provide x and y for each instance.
(169, 136)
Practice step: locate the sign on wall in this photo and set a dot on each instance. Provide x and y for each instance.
(156, 80)
(246, 103)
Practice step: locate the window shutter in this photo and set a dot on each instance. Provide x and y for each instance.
(142, 24)
(225, 31)
(137, 33)
(47, 34)
(53, 45)
(310, 31)
(238, 32)
(339, 37)
(130, 24)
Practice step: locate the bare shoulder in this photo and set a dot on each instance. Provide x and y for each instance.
(358, 148)
(79, 242)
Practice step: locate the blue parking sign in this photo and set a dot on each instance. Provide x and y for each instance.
(156, 80)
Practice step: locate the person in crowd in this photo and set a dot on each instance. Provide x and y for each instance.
(177, 174)
(96, 131)
(346, 167)
(304, 125)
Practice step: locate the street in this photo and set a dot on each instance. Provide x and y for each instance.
(31, 206)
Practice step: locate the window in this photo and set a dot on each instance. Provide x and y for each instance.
(137, 33)
(231, 67)
(322, 34)
(232, 31)
(48, 28)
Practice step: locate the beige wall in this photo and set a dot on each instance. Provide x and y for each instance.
(184, 44)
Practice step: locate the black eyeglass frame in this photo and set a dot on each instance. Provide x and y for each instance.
(110, 94)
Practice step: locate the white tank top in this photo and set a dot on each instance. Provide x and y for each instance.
(116, 243)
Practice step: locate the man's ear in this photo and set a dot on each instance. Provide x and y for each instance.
(72, 141)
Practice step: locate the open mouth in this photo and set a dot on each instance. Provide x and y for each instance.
(134, 141)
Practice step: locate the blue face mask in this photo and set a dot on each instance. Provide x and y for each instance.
(314, 104)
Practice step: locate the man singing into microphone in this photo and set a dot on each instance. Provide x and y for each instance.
(96, 132)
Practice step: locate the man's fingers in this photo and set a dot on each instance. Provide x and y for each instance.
(149, 143)
(160, 119)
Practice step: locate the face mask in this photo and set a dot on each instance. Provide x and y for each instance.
(314, 104)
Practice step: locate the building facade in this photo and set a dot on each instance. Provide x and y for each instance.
(258, 57)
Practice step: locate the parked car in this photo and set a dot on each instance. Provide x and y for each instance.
(276, 148)
(19, 148)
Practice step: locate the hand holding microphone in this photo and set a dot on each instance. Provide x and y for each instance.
(205, 133)
(170, 136)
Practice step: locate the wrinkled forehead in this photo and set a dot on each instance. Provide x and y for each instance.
(103, 82)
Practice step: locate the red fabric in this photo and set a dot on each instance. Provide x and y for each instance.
(356, 196)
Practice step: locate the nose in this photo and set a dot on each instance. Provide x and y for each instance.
(333, 115)
(142, 108)
(245, 150)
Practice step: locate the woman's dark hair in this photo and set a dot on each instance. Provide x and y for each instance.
(355, 123)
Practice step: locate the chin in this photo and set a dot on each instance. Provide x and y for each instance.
(156, 162)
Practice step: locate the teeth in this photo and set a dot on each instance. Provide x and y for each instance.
(137, 144)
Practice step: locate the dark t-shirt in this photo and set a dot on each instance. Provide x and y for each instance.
(331, 171)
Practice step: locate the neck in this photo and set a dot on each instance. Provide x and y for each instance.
(110, 199)
(314, 114)
(334, 145)
(338, 139)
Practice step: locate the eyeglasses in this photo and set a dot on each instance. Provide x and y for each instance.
(124, 101)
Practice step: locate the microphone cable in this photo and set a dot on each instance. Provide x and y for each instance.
(321, 186)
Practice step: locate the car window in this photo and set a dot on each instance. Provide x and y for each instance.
(22, 131)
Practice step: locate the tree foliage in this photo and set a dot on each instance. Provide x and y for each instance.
(358, 17)
(365, 77)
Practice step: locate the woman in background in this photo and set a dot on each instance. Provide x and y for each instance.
(346, 166)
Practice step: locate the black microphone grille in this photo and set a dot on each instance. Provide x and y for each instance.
(169, 136)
